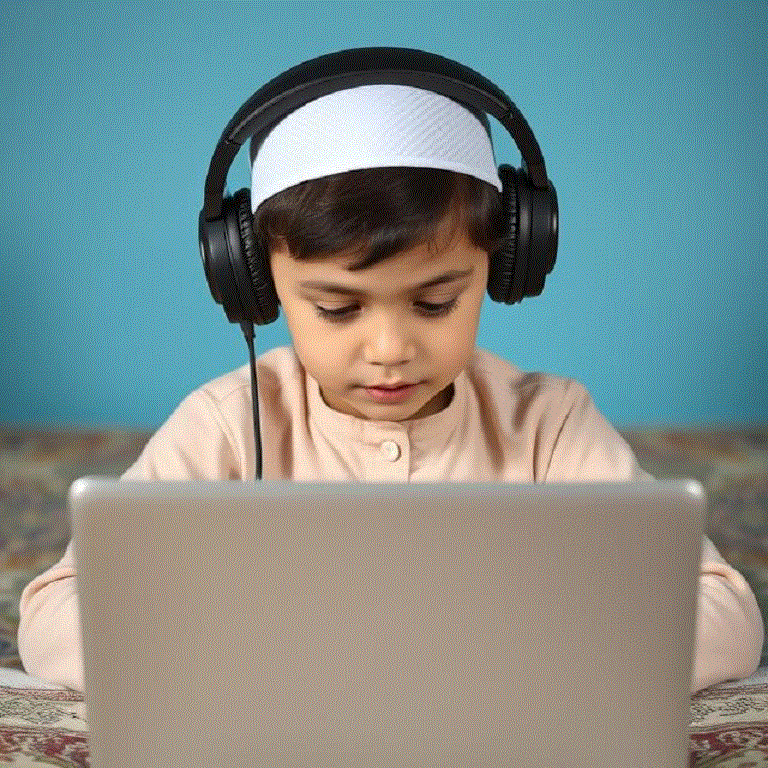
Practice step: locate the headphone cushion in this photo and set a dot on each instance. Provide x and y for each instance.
(527, 255)
(266, 307)
(501, 273)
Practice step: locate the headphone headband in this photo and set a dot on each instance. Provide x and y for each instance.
(366, 66)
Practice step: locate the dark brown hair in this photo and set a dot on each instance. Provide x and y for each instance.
(377, 213)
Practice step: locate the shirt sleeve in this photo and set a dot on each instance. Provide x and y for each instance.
(586, 447)
(194, 443)
(49, 626)
(729, 626)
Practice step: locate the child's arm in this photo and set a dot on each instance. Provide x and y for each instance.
(49, 629)
(729, 632)
(195, 443)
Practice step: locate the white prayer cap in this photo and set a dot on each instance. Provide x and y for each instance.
(371, 126)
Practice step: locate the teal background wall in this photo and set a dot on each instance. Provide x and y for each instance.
(652, 117)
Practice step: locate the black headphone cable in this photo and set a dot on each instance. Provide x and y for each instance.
(248, 333)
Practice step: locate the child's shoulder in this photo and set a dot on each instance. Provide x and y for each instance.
(277, 365)
(508, 380)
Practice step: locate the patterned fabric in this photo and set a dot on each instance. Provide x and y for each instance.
(729, 724)
(43, 727)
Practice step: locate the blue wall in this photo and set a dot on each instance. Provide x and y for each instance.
(652, 117)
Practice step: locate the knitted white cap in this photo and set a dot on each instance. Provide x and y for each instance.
(371, 126)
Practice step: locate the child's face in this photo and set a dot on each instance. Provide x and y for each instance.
(408, 320)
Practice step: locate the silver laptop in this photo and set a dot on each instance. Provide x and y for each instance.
(287, 624)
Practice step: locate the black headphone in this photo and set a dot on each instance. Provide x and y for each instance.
(237, 265)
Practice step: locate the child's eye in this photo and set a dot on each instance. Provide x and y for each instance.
(337, 315)
(429, 309)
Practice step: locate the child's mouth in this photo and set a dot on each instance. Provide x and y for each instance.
(389, 394)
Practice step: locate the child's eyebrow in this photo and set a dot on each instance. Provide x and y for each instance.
(447, 277)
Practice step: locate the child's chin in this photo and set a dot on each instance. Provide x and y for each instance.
(413, 408)
(390, 412)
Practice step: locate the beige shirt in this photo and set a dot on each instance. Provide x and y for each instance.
(501, 425)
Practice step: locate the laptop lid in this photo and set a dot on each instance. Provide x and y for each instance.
(292, 624)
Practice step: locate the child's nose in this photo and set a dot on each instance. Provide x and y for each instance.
(389, 341)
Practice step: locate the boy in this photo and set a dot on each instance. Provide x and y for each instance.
(378, 219)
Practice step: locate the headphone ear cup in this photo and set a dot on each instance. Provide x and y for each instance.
(264, 304)
(527, 254)
(542, 251)
(215, 244)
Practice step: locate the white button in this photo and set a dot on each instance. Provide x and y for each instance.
(390, 450)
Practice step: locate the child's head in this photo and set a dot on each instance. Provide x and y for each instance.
(380, 269)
